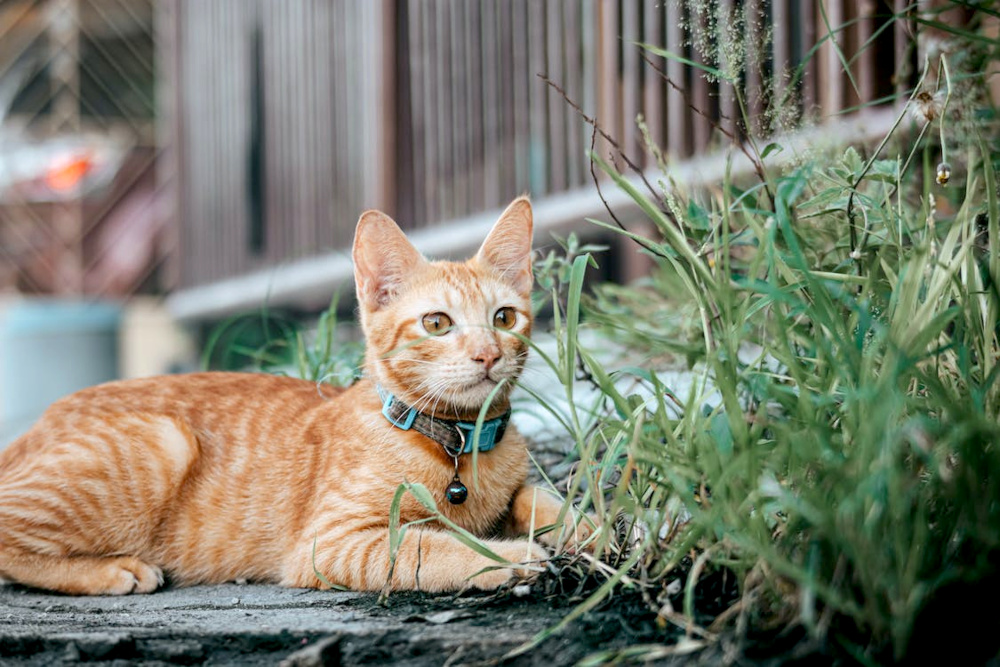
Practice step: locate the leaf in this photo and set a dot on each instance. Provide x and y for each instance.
(697, 217)
(773, 147)
(423, 496)
(886, 171)
(721, 434)
(322, 577)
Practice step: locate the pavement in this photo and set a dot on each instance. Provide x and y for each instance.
(253, 624)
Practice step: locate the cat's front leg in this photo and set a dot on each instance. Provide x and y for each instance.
(427, 560)
(574, 531)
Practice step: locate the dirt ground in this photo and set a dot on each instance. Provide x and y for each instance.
(266, 625)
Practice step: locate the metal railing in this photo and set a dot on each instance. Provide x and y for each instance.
(78, 197)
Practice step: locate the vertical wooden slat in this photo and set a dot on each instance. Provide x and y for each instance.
(430, 114)
(491, 102)
(590, 15)
(270, 93)
(383, 40)
(216, 23)
(576, 160)
(445, 136)
(192, 225)
(298, 115)
(780, 55)
(326, 215)
(539, 155)
(311, 165)
(226, 52)
(831, 78)
(348, 165)
(241, 134)
(807, 24)
(201, 123)
(354, 167)
(630, 137)
(865, 66)
(513, 97)
(459, 61)
(299, 128)
(556, 149)
(337, 121)
(474, 109)
(288, 129)
(609, 89)
(701, 96)
(652, 84)
(418, 91)
(170, 129)
(402, 159)
(274, 95)
(677, 135)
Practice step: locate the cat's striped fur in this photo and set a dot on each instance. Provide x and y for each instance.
(213, 477)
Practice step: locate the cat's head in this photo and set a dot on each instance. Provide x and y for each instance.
(441, 335)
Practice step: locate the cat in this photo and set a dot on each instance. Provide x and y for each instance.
(214, 477)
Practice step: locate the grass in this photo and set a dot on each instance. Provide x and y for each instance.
(836, 452)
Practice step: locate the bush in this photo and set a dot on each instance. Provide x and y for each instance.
(837, 451)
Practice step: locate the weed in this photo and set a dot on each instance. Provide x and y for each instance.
(836, 449)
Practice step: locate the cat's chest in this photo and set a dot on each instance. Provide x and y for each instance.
(491, 478)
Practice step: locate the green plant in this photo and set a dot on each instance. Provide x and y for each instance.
(842, 332)
(273, 343)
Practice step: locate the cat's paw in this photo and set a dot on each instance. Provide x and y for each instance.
(577, 529)
(529, 555)
(127, 575)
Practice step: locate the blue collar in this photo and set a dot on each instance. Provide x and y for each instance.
(455, 436)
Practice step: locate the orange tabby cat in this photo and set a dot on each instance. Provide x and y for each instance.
(213, 477)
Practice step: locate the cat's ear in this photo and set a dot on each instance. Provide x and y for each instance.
(507, 248)
(383, 259)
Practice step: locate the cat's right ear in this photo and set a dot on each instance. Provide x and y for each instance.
(383, 258)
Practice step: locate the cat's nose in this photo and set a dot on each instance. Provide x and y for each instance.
(487, 356)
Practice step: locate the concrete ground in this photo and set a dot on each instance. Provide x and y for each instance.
(268, 625)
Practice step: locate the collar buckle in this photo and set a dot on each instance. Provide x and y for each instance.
(405, 420)
(487, 435)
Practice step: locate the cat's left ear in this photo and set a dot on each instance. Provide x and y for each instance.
(507, 248)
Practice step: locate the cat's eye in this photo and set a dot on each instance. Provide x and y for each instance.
(436, 323)
(505, 318)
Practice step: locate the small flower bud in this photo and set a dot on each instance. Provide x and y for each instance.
(943, 173)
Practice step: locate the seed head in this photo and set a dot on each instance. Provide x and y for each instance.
(927, 107)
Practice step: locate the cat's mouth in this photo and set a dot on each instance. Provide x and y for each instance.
(485, 379)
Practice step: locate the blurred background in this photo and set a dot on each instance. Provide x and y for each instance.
(168, 164)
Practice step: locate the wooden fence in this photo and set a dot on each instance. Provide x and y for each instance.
(290, 117)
